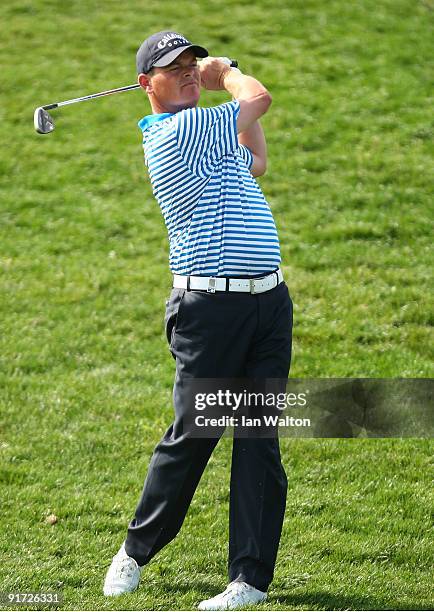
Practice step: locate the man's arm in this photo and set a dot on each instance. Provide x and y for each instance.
(253, 97)
(254, 102)
(253, 138)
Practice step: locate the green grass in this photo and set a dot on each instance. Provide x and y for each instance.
(85, 376)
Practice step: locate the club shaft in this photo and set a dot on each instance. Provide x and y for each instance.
(109, 92)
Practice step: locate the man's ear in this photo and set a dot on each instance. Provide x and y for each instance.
(145, 82)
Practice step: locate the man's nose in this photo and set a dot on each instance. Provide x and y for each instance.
(189, 69)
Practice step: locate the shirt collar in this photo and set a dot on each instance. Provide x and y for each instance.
(149, 120)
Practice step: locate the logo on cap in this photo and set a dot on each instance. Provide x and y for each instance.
(170, 40)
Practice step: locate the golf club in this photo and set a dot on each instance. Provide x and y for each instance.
(44, 123)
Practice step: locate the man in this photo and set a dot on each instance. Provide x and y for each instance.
(229, 314)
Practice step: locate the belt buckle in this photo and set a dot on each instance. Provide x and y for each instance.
(252, 285)
(211, 284)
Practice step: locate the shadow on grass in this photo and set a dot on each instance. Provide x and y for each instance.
(206, 589)
(285, 600)
(321, 600)
(330, 601)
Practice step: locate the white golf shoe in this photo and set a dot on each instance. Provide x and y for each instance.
(123, 575)
(237, 594)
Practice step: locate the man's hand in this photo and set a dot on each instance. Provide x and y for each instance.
(212, 72)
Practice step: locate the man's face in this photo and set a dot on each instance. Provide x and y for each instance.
(177, 86)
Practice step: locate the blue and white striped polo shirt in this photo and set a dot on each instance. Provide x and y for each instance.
(217, 218)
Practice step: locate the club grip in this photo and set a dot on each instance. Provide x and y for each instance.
(233, 63)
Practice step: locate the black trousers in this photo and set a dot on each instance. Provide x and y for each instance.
(220, 335)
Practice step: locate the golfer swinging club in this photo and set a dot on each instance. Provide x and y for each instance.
(229, 314)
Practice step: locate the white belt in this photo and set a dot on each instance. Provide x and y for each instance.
(211, 284)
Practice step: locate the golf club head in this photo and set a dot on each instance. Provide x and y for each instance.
(43, 121)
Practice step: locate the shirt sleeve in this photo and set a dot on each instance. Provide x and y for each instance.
(246, 154)
(205, 135)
